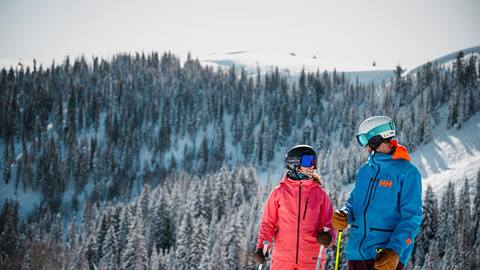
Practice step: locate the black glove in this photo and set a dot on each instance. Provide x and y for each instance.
(259, 257)
(324, 238)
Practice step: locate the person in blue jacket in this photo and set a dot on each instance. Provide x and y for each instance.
(384, 209)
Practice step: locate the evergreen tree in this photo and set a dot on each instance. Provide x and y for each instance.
(109, 259)
(431, 260)
(154, 260)
(464, 226)
(476, 226)
(231, 244)
(183, 251)
(428, 231)
(8, 230)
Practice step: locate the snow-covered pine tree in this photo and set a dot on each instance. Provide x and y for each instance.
(183, 250)
(429, 227)
(154, 260)
(464, 226)
(231, 243)
(476, 226)
(161, 229)
(449, 228)
(109, 259)
(432, 259)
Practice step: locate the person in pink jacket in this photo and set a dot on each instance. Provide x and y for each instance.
(297, 216)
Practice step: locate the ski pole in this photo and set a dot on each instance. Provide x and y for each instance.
(338, 249)
(319, 259)
(320, 253)
(265, 251)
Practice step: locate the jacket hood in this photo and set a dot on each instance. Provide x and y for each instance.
(400, 151)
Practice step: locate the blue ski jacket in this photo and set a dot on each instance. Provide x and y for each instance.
(384, 207)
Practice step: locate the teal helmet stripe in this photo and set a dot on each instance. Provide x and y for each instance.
(363, 138)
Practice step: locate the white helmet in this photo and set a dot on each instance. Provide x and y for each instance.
(373, 126)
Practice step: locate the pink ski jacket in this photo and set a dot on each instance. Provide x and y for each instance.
(293, 215)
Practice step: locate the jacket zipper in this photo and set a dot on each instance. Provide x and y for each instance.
(369, 194)
(299, 213)
(305, 211)
(375, 191)
(368, 191)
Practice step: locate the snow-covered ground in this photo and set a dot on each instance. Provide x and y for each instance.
(28, 200)
(452, 155)
(7, 63)
(449, 59)
(292, 63)
(283, 60)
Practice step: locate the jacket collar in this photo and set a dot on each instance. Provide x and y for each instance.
(399, 152)
(295, 183)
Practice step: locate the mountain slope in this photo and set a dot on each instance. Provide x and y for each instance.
(293, 63)
(452, 155)
(449, 59)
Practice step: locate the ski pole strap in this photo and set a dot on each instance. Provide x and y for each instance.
(338, 249)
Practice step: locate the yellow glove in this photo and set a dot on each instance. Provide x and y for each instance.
(339, 220)
(386, 259)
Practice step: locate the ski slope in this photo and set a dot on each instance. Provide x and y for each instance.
(449, 59)
(452, 155)
(8, 63)
(292, 63)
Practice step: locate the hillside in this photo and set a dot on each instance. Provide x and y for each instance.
(129, 157)
(452, 155)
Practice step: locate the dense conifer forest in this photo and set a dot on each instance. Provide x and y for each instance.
(142, 161)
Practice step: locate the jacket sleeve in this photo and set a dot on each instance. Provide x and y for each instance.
(269, 222)
(349, 206)
(326, 214)
(350, 201)
(411, 212)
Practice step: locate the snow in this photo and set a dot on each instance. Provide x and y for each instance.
(27, 200)
(449, 59)
(452, 155)
(8, 63)
(292, 64)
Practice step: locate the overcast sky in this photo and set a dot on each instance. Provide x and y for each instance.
(406, 32)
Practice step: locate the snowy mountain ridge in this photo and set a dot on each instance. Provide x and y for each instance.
(293, 63)
(448, 59)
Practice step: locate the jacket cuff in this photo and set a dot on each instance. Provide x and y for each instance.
(349, 216)
(395, 247)
(261, 243)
